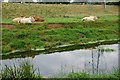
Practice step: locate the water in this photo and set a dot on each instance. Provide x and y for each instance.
(59, 63)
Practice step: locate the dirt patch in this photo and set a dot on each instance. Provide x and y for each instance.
(10, 26)
(50, 25)
(55, 25)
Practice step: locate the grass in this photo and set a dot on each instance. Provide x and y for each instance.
(75, 31)
(12, 10)
(113, 75)
(29, 36)
(106, 50)
(65, 20)
(39, 35)
(26, 70)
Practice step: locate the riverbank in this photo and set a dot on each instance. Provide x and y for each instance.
(33, 52)
(63, 26)
(26, 37)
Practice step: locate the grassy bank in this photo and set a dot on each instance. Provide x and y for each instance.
(26, 70)
(69, 30)
(40, 35)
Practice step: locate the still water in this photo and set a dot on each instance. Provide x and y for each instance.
(58, 63)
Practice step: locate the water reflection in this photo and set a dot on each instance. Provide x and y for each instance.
(59, 63)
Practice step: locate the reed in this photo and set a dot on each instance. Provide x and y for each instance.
(24, 70)
(115, 74)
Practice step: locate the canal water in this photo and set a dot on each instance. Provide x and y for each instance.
(60, 63)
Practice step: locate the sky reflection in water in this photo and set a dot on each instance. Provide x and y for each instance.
(52, 64)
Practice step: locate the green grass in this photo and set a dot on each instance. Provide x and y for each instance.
(6, 20)
(26, 70)
(106, 50)
(112, 75)
(66, 20)
(38, 35)
(62, 20)
(75, 31)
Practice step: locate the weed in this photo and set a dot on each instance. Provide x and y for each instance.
(25, 70)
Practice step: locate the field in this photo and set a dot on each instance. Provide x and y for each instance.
(63, 26)
(12, 10)
(69, 28)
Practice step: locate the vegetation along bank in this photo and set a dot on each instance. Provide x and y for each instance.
(62, 26)
(41, 35)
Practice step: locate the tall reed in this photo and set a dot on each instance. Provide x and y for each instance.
(25, 70)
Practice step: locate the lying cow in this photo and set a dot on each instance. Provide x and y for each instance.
(27, 20)
(90, 18)
(24, 20)
(37, 19)
(17, 19)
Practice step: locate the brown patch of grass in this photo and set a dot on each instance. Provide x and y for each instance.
(55, 25)
(10, 26)
(12, 10)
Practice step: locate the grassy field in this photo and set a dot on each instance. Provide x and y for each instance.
(27, 36)
(12, 10)
(66, 20)
(73, 31)
(56, 12)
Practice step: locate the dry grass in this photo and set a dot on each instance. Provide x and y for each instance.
(11, 10)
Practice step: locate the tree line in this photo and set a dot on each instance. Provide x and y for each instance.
(83, 3)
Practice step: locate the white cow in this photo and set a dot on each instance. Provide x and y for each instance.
(17, 19)
(90, 18)
(27, 20)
